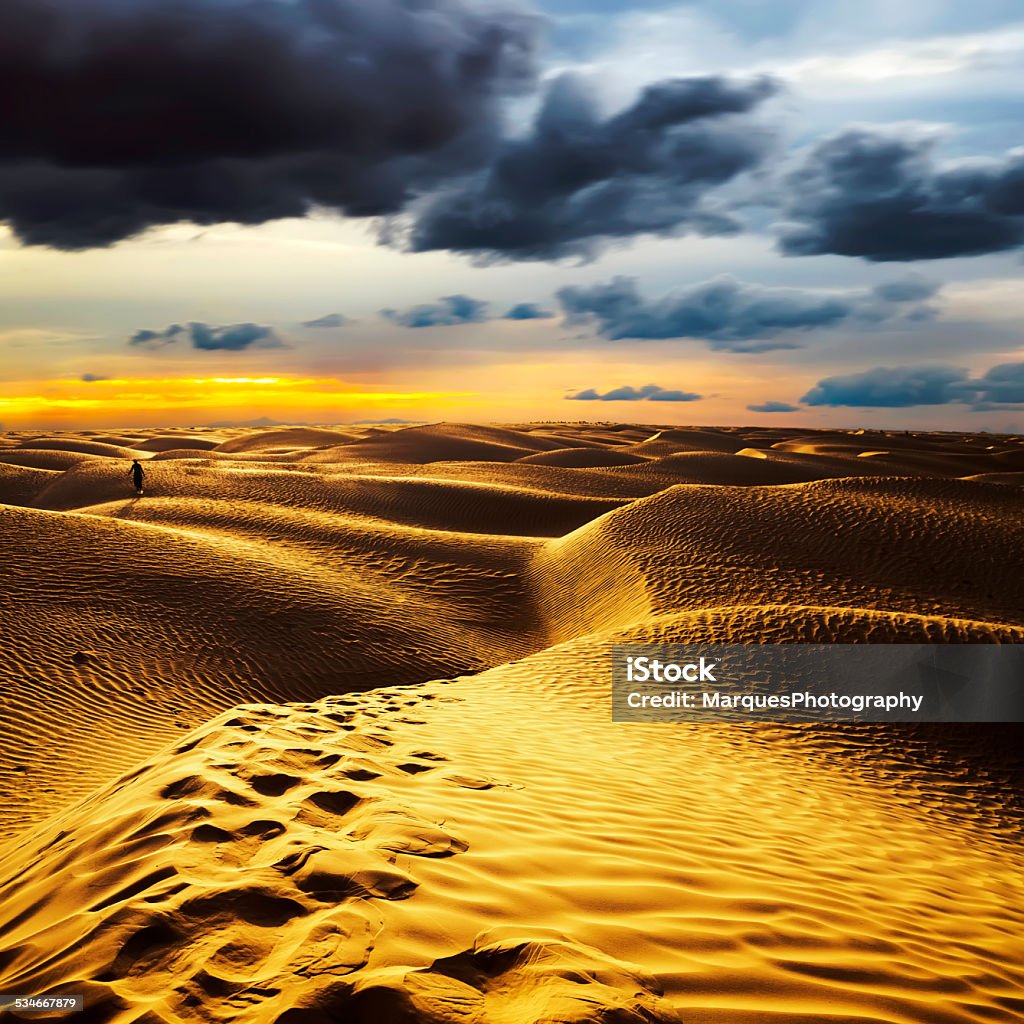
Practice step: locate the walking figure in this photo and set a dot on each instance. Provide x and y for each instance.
(137, 475)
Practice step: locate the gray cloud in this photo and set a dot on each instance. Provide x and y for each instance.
(911, 288)
(882, 195)
(330, 320)
(91, 378)
(579, 179)
(133, 114)
(1001, 385)
(936, 384)
(233, 338)
(528, 311)
(447, 311)
(648, 393)
(773, 407)
(147, 338)
(729, 314)
(891, 387)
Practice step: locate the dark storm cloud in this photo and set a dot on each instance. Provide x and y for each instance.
(528, 311)
(648, 393)
(331, 320)
(891, 387)
(729, 314)
(579, 178)
(447, 311)
(773, 407)
(232, 338)
(122, 115)
(883, 196)
(1001, 385)
(897, 387)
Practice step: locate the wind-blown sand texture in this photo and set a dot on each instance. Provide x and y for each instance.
(318, 729)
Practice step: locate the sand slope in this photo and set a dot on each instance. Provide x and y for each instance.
(925, 546)
(101, 618)
(376, 857)
(318, 729)
(20, 484)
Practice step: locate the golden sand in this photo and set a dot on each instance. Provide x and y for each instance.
(318, 729)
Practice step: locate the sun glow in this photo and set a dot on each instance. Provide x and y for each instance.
(168, 399)
(237, 380)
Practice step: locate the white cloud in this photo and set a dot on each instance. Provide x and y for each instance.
(998, 50)
(819, 64)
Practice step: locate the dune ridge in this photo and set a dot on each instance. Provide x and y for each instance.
(318, 728)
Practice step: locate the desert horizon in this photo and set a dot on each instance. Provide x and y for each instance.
(317, 727)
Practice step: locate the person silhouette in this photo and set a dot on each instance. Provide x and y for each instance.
(137, 475)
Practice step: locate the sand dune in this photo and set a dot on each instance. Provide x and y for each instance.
(296, 437)
(102, 616)
(42, 458)
(170, 442)
(124, 440)
(922, 546)
(582, 458)
(1014, 479)
(817, 624)
(442, 443)
(83, 447)
(20, 484)
(741, 470)
(203, 454)
(318, 730)
(669, 442)
(376, 857)
(462, 506)
(595, 482)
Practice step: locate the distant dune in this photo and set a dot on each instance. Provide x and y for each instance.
(583, 458)
(173, 441)
(295, 437)
(318, 729)
(443, 442)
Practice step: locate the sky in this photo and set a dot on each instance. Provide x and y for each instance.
(768, 212)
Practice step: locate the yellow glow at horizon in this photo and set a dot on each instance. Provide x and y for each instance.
(237, 380)
(136, 395)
